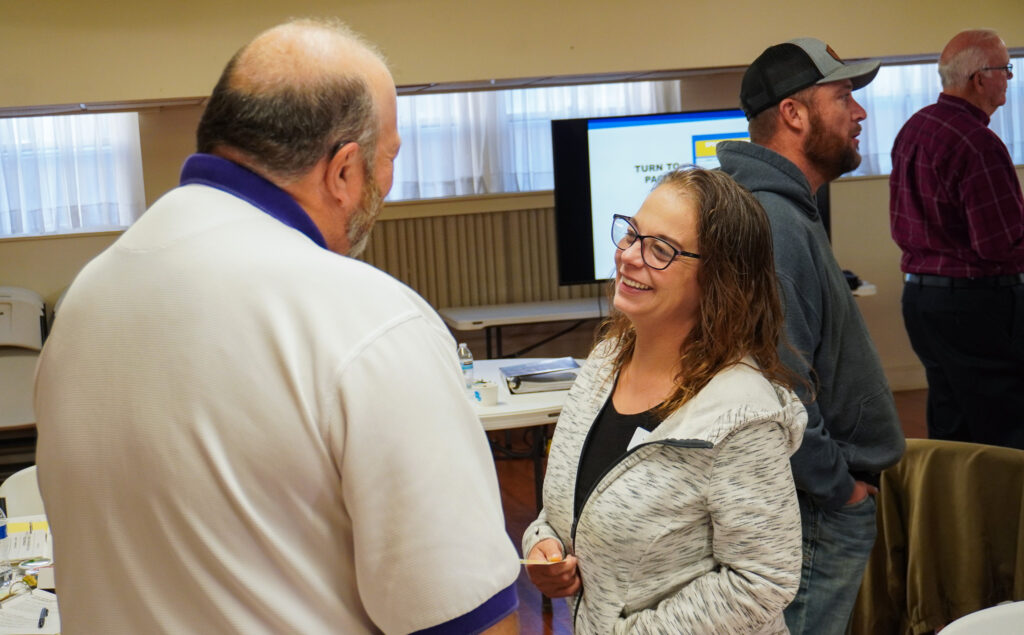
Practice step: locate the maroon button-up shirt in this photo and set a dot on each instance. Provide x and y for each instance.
(955, 201)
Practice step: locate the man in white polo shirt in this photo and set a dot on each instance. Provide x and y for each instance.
(240, 428)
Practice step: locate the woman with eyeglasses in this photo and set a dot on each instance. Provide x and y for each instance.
(669, 505)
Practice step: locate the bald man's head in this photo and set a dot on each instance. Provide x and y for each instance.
(967, 52)
(292, 96)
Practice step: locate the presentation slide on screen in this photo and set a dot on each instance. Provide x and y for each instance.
(629, 154)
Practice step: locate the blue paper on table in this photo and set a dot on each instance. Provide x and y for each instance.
(539, 376)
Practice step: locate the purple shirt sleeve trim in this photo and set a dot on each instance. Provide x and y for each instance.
(500, 606)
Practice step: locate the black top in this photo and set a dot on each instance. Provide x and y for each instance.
(606, 443)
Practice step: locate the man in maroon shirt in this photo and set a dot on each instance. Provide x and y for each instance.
(958, 215)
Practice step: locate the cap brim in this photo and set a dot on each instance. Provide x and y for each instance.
(859, 74)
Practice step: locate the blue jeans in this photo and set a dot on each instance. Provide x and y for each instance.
(836, 549)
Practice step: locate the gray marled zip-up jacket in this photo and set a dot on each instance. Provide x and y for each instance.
(696, 530)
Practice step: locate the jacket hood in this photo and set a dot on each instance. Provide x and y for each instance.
(736, 397)
(762, 170)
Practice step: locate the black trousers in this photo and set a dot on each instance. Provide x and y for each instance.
(971, 342)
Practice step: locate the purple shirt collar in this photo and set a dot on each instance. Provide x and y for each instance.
(206, 169)
(963, 104)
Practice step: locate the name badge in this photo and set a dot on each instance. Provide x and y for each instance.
(639, 436)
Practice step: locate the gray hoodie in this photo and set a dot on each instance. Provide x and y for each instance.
(853, 431)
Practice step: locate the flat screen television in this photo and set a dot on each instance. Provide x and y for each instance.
(608, 165)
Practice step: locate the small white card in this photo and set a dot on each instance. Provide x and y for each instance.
(639, 436)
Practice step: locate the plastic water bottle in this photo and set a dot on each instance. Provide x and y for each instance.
(466, 360)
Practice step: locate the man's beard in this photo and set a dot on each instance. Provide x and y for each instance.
(364, 216)
(829, 151)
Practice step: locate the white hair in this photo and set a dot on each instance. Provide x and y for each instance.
(956, 71)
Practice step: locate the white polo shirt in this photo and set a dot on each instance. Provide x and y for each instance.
(240, 431)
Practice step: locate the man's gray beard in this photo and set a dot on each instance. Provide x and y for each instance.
(364, 216)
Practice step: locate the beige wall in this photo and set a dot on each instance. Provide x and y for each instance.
(58, 52)
(128, 51)
(862, 243)
(47, 265)
(167, 136)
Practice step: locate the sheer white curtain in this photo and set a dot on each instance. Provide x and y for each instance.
(899, 91)
(69, 173)
(1008, 121)
(500, 141)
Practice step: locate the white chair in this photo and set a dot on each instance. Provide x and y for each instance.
(20, 493)
(1004, 619)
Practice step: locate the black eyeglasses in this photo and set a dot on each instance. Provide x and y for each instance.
(656, 252)
(1008, 69)
(334, 149)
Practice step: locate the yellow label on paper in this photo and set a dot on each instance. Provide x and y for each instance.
(20, 527)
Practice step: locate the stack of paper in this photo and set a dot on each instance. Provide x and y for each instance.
(30, 612)
(28, 537)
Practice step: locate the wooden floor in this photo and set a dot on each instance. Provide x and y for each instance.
(515, 477)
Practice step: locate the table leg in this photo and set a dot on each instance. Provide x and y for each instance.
(536, 452)
(487, 338)
(540, 437)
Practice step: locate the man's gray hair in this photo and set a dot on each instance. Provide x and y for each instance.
(957, 70)
(285, 130)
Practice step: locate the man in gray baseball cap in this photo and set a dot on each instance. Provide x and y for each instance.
(786, 68)
(804, 128)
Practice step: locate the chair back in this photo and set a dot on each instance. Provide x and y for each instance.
(20, 493)
(1005, 619)
(950, 538)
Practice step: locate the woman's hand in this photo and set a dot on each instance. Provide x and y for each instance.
(554, 580)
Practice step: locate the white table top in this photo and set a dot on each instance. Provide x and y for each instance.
(474, 318)
(515, 411)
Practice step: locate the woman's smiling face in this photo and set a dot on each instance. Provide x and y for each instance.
(667, 298)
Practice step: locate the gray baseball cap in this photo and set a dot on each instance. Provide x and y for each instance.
(784, 69)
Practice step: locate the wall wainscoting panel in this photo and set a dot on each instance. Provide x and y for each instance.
(474, 259)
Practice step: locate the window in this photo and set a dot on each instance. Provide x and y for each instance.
(500, 141)
(78, 173)
(899, 91)
(70, 173)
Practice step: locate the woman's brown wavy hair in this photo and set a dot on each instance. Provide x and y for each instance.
(740, 309)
